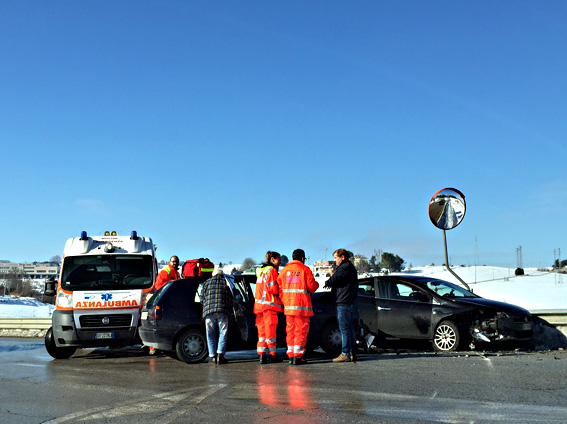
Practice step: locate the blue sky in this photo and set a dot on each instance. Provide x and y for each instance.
(226, 129)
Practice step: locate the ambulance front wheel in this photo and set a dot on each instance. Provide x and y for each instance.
(54, 350)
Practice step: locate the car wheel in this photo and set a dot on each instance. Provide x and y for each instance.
(191, 347)
(446, 338)
(331, 340)
(54, 350)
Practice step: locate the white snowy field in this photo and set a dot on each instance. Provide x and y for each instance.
(24, 307)
(534, 291)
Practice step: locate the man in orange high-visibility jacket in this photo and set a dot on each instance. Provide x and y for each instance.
(295, 284)
(168, 273)
(267, 306)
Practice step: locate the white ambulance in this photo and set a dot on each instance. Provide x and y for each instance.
(101, 289)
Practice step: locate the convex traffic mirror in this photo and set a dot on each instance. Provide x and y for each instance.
(447, 208)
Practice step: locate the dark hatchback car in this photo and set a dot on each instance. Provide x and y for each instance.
(171, 319)
(421, 308)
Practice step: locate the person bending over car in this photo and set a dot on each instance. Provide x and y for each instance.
(344, 284)
(218, 304)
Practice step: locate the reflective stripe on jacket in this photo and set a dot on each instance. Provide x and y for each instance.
(296, 283)
(166, 275)
(266, 293)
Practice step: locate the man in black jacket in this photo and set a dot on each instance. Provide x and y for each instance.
(344, 283)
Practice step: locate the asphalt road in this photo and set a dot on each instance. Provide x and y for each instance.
(125, 386)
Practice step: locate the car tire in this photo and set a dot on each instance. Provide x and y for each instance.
(191, 346)
(446, 337)
(331, 341)
(54, 350)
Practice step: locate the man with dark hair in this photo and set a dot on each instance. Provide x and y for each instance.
(295, 285)
(344, 283)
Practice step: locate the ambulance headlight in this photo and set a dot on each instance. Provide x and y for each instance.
(64, 300)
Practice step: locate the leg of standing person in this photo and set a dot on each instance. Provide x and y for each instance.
(301, 332)
(290, 334)
(270, 326)
(344, 316)
(261, 347)
(223, 334)
(211, 328)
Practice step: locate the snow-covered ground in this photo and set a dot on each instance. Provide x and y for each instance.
(23, 307)
(534, 291)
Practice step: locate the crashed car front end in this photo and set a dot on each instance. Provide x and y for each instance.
(499, 326)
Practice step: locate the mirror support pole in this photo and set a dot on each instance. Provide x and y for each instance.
(449, 267)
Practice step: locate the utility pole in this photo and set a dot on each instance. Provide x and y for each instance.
(519, 257)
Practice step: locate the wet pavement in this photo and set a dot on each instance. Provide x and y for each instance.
(403, 386)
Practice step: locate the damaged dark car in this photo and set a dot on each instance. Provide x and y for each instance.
(421, 308)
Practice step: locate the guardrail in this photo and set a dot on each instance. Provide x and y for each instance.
(24, 327)
(557, 318)
(25, 323)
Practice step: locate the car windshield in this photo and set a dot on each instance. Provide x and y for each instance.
(446, 289)
(107, 272)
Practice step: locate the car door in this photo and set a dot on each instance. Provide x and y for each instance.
(404, 310)
(366, 302)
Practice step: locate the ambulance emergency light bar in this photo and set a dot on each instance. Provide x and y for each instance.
(109, 247)
(133, 236)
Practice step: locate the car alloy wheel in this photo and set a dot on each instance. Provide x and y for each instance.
(446, 337)
(331, 340)
(191, 347)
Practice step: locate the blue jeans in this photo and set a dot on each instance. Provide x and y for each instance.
(346, 315)
(212, 322)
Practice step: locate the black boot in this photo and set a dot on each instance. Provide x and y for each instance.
(275, 359)
(263, 359)
(299, 361)
(221, 359)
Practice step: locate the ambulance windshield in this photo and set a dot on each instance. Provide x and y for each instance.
(107, 272)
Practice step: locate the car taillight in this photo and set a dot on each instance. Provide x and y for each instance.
(155, 313)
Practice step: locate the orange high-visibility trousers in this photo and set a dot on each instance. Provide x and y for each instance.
(267, 323)
(297, 328)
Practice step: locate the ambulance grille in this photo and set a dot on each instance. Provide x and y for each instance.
(96, 321)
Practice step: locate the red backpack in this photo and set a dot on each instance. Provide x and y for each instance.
(201, 267)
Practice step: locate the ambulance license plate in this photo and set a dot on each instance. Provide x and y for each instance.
(104, 336)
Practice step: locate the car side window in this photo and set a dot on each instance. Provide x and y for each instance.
(366, 289)
(199, 293)
(396, 290)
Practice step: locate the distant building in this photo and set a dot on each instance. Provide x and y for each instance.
(31, 271)
(322, 268)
